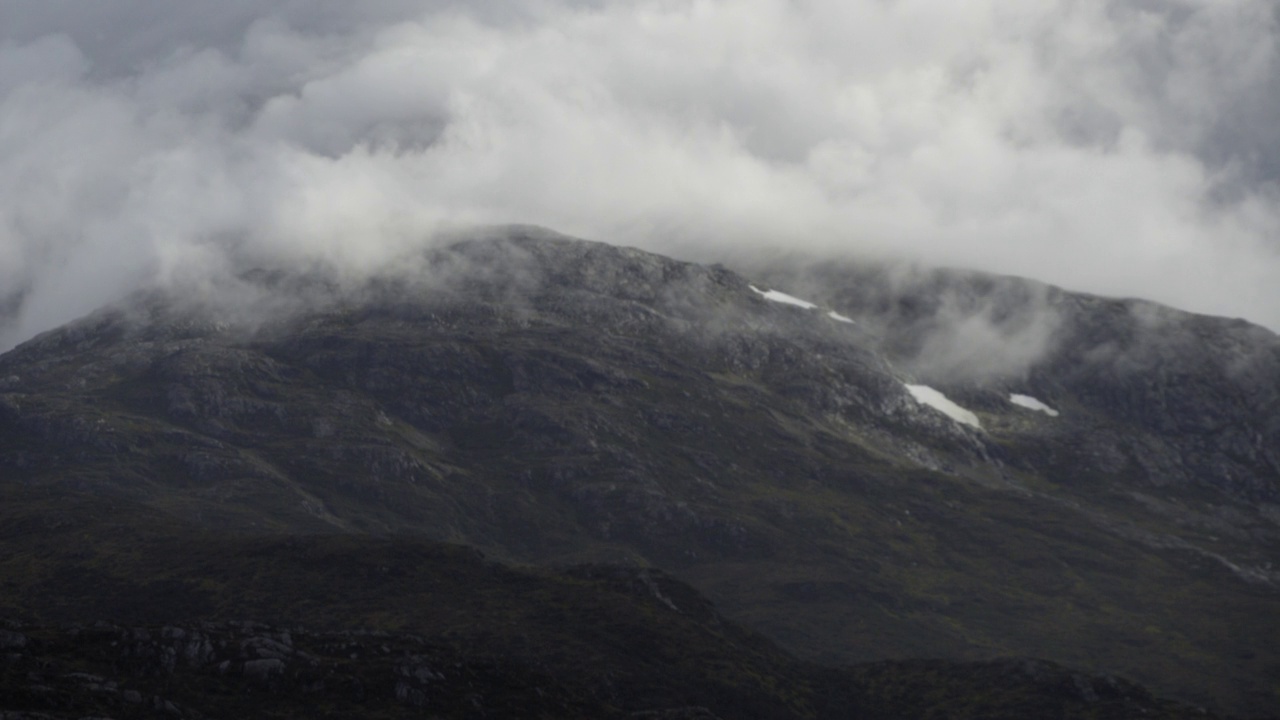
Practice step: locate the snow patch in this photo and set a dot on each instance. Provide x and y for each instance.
(840, 318)
(926, 395)
(1031, 403)
(776, 296)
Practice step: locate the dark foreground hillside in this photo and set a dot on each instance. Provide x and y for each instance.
(1104, 497)
(442, 632)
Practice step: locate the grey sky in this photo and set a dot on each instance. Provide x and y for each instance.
(1125, 147)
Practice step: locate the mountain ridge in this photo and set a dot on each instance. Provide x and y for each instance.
(550, 400)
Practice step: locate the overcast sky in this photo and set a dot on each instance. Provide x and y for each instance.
(1129, 147)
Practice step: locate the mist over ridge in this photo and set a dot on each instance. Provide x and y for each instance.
(1118, 147)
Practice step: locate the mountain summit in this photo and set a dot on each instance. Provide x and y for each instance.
(858, 461)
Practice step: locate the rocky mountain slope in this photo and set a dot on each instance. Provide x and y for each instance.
(1103, 494)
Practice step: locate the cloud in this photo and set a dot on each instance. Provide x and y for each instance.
(1123, 147)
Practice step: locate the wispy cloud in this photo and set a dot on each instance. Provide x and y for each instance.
(1124, 146)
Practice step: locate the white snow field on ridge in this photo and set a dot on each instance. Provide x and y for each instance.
(1031, 403)
(782, 297)
(926, 395)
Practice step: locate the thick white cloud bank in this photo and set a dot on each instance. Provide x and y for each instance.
(1123, 147)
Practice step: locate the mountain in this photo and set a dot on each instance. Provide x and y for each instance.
(858, 461)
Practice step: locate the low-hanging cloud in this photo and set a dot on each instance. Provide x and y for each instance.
(1117, 146)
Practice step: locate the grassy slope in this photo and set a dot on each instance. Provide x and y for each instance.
(589, 641)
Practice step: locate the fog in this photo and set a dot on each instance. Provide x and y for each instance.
(1125, 147)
